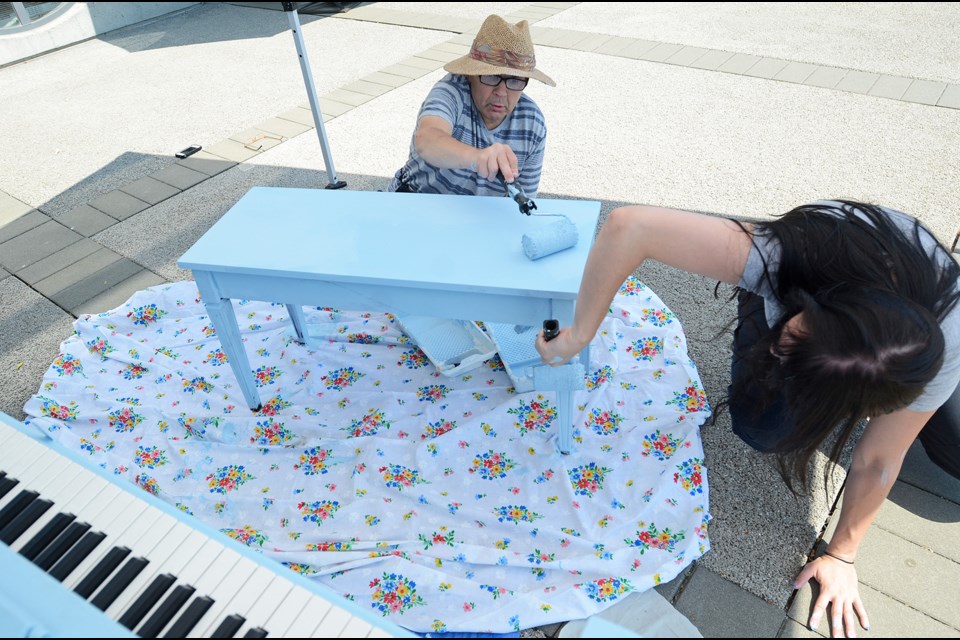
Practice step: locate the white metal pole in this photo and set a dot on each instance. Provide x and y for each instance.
(291, 10)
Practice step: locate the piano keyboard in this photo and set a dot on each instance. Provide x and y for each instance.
(128, 564)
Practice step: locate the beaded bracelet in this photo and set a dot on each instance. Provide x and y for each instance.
(827, 553)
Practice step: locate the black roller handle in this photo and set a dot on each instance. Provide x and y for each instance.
(551, 329)
(516, 193)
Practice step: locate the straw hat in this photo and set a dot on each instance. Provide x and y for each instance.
(500, 49)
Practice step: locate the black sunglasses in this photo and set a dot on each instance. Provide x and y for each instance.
(513, 83)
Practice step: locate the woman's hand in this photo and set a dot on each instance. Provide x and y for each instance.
(560, 349)
(839, 590)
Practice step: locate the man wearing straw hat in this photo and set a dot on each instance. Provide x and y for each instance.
(476, 121)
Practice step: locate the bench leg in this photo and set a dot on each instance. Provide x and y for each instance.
(299, 322)
(564, 380)
(565, 416)
(224, 321)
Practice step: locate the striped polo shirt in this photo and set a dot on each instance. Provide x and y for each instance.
(524, 130)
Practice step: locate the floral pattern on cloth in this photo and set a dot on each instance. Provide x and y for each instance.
(440, 503)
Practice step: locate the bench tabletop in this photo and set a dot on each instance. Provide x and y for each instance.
(455, 243)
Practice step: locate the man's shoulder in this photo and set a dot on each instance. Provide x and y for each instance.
(528, 111)
(527, 102)
(450, 90)
(452, 82)
(446, 99)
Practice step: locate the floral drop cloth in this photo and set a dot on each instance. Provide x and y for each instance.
(441, 503)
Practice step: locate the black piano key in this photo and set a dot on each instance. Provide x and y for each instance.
(256, 632)
(77, 554)
(46, 535)
(15, 506)
(49, 556)
(98, 573)
(112, 590)
(24, 521)
(229, 627)
(166, 612)
(189, 619)
(150, 596)
(6, 484)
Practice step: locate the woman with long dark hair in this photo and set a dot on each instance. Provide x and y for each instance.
(846, 312)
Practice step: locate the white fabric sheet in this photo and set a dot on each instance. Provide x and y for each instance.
(441, 503)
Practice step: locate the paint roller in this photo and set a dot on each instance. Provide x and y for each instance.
(548, 237)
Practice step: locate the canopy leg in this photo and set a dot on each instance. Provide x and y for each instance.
(291, 9)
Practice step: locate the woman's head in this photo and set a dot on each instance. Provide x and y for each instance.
(842, 355)
(860, 337)
(856, 350)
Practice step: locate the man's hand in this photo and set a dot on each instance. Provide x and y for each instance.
(497, 158)
(838, 589)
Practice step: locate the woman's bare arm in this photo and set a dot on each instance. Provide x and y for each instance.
(877, 458)
(707, 245)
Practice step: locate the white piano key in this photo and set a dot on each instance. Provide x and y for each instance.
(333, 623)
(111, 521)
(42, 458)
(87, 510)
(84, 504)
(145, 547)
(356, 628)
(76, 495)
(22, 452)
(129, 531)
(209, 558)
(207, 561)
(266, 606)
(224, 592)
(33, 466)
(181, 546)
(208, 583)
(317, 615)
(17, 454)
(15, 446)
(54, 486)
(307, 619)
(49, 485)
(132, 535)
(288, 611)
(8, 434)
(208, 569)
(51, 475)
(167, 558)
(240, 603)
(63, 496)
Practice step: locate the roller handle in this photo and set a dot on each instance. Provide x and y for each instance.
(516, 193)
(551, 329)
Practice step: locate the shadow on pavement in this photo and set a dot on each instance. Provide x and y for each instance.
(240, 24)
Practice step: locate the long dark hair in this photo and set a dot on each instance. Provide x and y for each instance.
(872, 295)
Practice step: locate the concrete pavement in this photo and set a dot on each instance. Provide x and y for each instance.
(734, 109)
